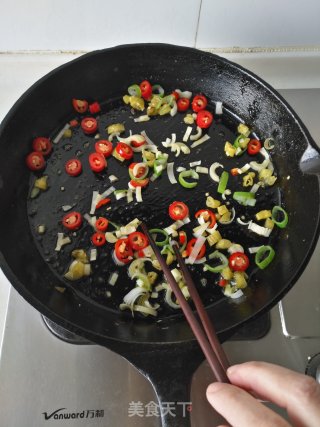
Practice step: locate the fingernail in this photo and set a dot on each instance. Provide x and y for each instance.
(214, 388)
(232, 369)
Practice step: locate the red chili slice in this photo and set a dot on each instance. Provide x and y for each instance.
(182, 237)
(101, 224)
(97, 162)
(234, 171)
(139, 182)
(102, 203)
(80, 105)
(141, 253)
(89, 125)
(190, 246)
(72, 221)
(138, 241)
(94, 108)
(223, 283)
(204, 119)
(124, 151)
(199, 103)
(73, 167)
(104, 147)
(123, 251)
(140, 173)
(73, 123)
(178, 210)
(146, 89)
(176, 95)
(183, 104)
(238, 261)
(35, 161)
(138, 143)
(42, 145)
(98, 239)
(207, 215)
(254, 147)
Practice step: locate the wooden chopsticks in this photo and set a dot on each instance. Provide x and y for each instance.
(205, 333)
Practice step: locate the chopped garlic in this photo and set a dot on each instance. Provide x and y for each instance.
(42, 183)
(188, 119)
(240, 279)
(229, 149)
(223, 244)
(264, 214)
(227, 273)
(222, 209)
(212, 203)
(214, 238)
(243, 129)
(61, 241)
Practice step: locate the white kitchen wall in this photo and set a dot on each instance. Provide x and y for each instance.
(95, 24)
(249, 23)
(288, 28)
(88, 25)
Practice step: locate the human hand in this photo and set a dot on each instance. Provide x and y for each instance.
(298, 394)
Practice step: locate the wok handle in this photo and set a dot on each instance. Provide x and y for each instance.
(169, 368)
(310, 161)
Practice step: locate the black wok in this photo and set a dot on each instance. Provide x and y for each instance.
(165, 352)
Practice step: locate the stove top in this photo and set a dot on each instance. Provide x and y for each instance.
(44, 379)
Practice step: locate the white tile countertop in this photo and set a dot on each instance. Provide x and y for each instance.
(283, 70)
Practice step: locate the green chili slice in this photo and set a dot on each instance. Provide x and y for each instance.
(166, 249)
(134, 90)
(188, 174)
(223, 181)
(158, 90)
(264, 256)
(159, 165)
(274, 214)
(157, 168)
(218, 268)
(157, 231)
(245, 198)
(240, 151)
(241, 142)
(169, 99)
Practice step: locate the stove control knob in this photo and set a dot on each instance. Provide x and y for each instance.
(313, 367)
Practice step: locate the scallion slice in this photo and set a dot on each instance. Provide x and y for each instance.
(134, 90)
(264, 256)
(218, 268)
(158, 90)
(157, 231)
(275, 215)
(188, 174)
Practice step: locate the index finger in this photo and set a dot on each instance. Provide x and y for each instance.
(297, 393)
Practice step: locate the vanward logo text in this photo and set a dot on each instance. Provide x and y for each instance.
(64, 414)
